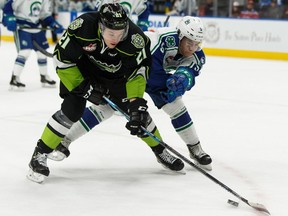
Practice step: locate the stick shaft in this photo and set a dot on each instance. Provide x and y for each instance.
(166, 21)
(257, 206)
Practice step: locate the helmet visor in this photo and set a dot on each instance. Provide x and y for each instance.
(116, 35)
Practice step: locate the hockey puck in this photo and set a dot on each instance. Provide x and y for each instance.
(231, 202)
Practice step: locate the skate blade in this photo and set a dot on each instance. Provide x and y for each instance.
(207, 167)
(16, 89)
(35, 177)
(46, 85)
(56, 156)
(181, 172)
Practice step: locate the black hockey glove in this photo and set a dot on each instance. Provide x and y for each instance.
(92, 92)
(97, 94)
(139, 116)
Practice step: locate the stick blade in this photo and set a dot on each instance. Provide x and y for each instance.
(259, 207)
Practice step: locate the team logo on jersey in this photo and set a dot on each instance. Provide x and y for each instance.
(137, 41)
(77, 23)
(24, 42)
(112, 54)
(170, 41)
(90, 47)
(111, 68)
(35, 9)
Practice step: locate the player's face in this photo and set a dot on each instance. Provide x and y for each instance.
(112, 37)
(187, 47)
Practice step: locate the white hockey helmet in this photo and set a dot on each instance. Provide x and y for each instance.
(192, 28)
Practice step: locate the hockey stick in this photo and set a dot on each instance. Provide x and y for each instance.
(43, 51)
(36, 45)
(257, 206)
(166, 21)
(36, 28)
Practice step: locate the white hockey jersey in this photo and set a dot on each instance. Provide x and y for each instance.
(164, 49)
(31, 11)
(2, 2)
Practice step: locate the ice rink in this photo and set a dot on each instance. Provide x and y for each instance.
(239, 108)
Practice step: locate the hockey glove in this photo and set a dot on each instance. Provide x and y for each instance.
(139, 116)
(97, 94)
(10, 22)
(54, 25)
(181, 81)
(92, 92)
(169, 96)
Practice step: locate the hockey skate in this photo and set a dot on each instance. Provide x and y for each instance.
(46, 81)
(15, 83)
(38, 167)
(168, 161)
(61, 152)
(201, 159)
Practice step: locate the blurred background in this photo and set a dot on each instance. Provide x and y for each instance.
(234, 28)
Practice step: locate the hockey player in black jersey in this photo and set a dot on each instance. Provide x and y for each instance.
(177, 59)
(101, 53)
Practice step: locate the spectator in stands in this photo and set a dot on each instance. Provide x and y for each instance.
(184, 8)
(285, 12)
(249, 12)
(264, 3)
(189, 7)
(271, 11)
(209, 8)
(236, 10)
(75, 5)
(176, 8)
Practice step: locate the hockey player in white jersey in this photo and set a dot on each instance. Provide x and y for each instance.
(177, 59)
(24, 19)
(139, 7)
(2, 2)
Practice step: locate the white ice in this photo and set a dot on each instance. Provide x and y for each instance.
(239, 108)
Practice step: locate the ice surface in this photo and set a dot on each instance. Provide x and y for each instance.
(240, 110)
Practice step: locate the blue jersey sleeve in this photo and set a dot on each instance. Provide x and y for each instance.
(8, 10)
(145, 14)
(195, 68)
(162, 53)
(200, 60)
(143, 17)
